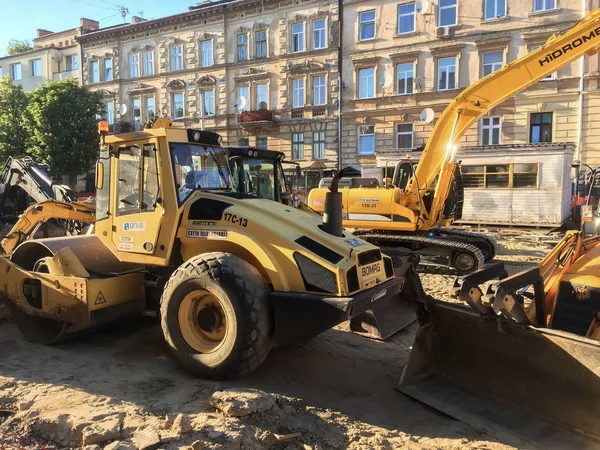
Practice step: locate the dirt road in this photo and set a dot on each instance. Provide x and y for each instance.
(337, 391)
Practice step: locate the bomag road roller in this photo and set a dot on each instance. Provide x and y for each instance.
(230, 274)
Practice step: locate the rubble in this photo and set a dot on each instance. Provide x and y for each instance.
(242, 402)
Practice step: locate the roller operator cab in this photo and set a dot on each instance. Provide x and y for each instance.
(231, 274)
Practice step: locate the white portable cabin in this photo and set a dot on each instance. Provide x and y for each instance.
(520, 184)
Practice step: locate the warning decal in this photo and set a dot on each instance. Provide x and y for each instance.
(100, 299)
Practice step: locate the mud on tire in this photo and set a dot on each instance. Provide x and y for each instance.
(243, 298)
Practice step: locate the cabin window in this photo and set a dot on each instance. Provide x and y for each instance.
(501, 176)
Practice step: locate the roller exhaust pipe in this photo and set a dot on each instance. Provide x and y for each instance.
(332, 211)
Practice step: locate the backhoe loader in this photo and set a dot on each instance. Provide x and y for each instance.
(523, 357)
(230, 274)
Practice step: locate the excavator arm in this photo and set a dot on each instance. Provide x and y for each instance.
(30, 221)
(472, 103)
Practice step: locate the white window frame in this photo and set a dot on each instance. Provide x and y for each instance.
(146, 109)
(319, 90)
(298, 94)
(204, 98)
(299, 144)
(74, 62)
(363, 135)
(493, 66)
(33, 67)
(490, 127)
(108, 72)
(545, 4)
(493, 15)
(206, 54)
(413, 14)
(319, 34)
(149, 63)
(110, 113)
(361, 23)
(134, 65)
(410, 133)
(174, 105)
(439, 74)
(13, 72)
(95, 74)
(239, 45)
(366, 78)
(176, 57)
(266, 45)
(137, 120)
(1, 72)
(266, 140)
(321, 145)
(403, 74)
(442, 8)
(258, 96)
(246, 95)
(298, 38)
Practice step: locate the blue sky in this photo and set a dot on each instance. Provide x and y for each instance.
(20, 19)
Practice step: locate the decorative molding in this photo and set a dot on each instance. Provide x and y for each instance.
(141, 89)
(320, 14)
(297, 18)
(206, 80)
(490, 44)
(447, 50)
(405, 56)
(105, 93)
(259, 26)
(366, 60)
(253, 73)
(175, 41)
(176, 84)
(242, 30)
(310, 65)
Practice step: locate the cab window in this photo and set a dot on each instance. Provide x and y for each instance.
(137, 184)
(103, 194)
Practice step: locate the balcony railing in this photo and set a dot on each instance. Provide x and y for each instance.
(262, 115)
(297, 113)
(319, 111)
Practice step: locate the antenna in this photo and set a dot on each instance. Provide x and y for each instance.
(422, 7)
(427, 115)
(386, 80)
(241, 103)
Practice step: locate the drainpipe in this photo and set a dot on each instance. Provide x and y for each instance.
(340, 82)
(580, 94)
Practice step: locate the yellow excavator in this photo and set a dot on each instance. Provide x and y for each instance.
(229, 273)
(521, 358)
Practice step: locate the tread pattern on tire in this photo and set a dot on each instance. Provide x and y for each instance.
(231, 273)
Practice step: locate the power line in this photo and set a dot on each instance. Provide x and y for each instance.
(110, 17)
(96, 6)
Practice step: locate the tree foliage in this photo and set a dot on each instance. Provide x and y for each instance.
(61, 124)
(15, 46)
(13, 103)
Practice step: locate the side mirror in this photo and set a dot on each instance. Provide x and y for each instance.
(99, 175)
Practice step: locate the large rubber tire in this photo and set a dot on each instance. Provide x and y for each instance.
(243, 297)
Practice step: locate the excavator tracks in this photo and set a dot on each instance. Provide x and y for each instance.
(487, 238)
(390, 243)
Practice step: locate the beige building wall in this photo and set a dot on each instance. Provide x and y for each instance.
(512, 35)
(170, 82)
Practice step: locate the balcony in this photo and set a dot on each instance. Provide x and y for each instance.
(65, 75)
(256, 121)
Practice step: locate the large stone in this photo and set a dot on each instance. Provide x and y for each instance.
(242, 402)
(182, 424)
(146, 439)
(105, 430)
(120, 445)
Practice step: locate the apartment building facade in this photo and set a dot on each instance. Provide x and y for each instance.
(262, 73)
(55, 56)
(400, 57)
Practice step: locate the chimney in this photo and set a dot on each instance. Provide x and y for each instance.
(137, 19)
(89, 24)
(41, 32)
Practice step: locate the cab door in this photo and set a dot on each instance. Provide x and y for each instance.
(138, 210)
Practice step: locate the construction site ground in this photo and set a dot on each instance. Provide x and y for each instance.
(118, 388)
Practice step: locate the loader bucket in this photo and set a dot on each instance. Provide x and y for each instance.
(519, 382)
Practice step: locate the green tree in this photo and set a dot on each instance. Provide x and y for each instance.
(13, 103)
(15, 46)
(62, 126)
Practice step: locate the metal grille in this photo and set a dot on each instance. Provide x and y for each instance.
(352, 279)
(389, 268)
(369, 257)
(316, 277)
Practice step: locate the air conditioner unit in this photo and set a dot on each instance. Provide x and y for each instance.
(442, 31)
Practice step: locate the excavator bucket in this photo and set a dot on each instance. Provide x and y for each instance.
(520, 381)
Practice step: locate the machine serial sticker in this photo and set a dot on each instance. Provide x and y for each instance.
(369, 200)
(235, 219)
(202, 223)
(126, 246)
(134, 226)
(354, 242)
(206, 234)
(126, 239)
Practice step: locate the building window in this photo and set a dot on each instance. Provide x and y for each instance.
(404, 135)
(243, 92)
(550, 77)
(504, 176)
(297, 145)
(540, 128)
(207, 53)
(494, 9)
(366, 26)
(148, 63)
(262, 96)
(150, 108)
(298, 93)
(406, 18)
(94, 72)
(448, 13)
(366, 83)
(244, 142)
(110, 113)
(262, 142)
(137, 113)
(319, 90)
(543, 5)
(134, 66)
(318, 151)
(15, 71)
(261, 44)
(208, 102)
(1, 72)
(177, 57)
(405, 74)
(297, 37)
(177, 99)
(446, 74)
(491, 62)
(108, 70)
(242, 47)
(72, 62)
(366, 140)
(319, 34)
(490, 130)
(36, 68)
